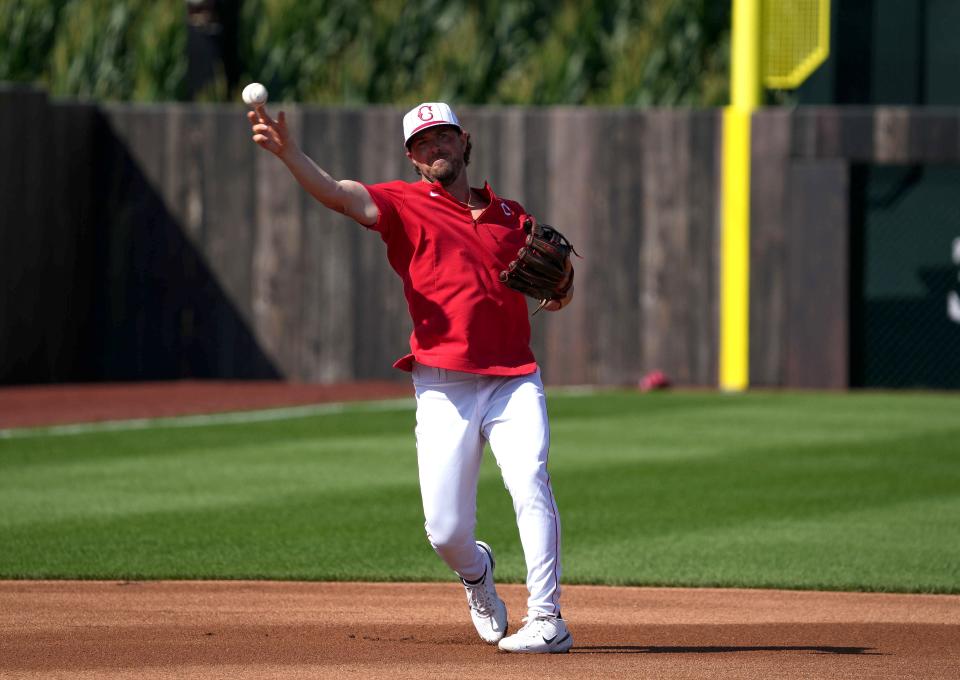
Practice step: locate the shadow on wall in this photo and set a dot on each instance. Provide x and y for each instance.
(159, 309)
(101, 283)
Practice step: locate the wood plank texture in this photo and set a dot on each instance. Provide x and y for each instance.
(616, 233)
(277, 257)
(680, 241)
(770, 160)
(330, 243)
(817, 237)
(571, 199)
(891, 135)
(382, 324)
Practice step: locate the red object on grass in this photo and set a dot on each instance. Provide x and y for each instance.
(654, 380)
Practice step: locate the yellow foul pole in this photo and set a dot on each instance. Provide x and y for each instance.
(745, 90)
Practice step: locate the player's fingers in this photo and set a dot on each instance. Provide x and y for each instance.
(266, 143)
(557, 305)
(264, 116)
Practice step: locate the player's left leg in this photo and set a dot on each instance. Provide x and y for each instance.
(517, 428)
(449, 451)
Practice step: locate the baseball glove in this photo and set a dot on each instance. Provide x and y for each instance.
(542, 268)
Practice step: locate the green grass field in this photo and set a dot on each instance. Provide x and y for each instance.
(827, 491)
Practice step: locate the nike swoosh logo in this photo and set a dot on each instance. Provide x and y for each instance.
(434, 194)
(550, 640)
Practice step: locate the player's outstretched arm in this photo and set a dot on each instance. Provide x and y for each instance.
(345, 196)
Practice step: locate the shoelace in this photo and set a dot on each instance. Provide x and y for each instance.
(533, 622)
(480, 598)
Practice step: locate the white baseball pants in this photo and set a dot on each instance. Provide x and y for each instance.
(457, 413)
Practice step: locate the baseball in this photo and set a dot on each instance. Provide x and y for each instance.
(254, 94)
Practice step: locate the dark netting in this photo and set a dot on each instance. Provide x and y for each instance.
(905, 251)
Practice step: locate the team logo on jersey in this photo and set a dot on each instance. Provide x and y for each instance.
(506, 210)
(425, 112)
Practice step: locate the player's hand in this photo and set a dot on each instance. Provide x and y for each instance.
(557, 305)
(271, 134)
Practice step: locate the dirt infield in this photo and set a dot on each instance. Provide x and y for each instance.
(98, 630)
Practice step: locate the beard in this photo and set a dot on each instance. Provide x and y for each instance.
(444, 170)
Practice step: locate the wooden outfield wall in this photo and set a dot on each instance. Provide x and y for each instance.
(166, 244)
(155, 242)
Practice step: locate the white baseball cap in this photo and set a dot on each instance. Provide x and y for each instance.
(427, 115)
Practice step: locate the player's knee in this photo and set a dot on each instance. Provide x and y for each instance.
(449, 533)
(527, 482)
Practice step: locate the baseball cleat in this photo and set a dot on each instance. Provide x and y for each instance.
(487, 610)
(541, 634)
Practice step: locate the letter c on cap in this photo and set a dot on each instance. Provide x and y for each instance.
(425, 114)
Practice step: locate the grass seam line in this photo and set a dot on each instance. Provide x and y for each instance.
(207, 419)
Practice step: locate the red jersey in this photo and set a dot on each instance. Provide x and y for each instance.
(464, 318)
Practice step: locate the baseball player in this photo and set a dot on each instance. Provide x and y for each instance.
(475, 377)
